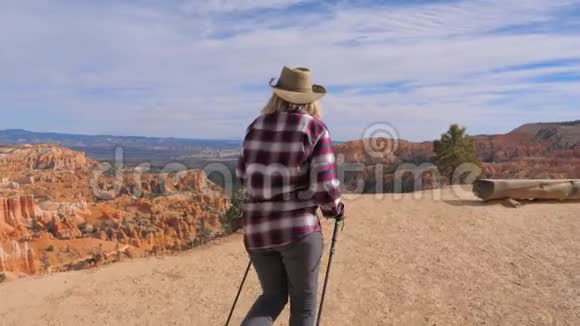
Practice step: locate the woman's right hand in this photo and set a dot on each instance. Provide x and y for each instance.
(342, 213)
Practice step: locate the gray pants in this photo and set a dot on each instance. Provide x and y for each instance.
(287, 270)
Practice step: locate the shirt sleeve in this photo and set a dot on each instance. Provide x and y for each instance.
(324, 176)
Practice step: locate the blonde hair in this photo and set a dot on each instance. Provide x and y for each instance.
(276, 104)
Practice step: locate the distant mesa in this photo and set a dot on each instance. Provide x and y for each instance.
(21, 137)
(136, 150)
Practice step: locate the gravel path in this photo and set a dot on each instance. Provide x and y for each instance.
(399, 261)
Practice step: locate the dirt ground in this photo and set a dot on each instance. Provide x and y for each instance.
(399, 261)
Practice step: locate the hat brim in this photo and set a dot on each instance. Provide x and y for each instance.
(300, 97)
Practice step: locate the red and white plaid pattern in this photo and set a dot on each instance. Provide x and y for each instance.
(288, 169)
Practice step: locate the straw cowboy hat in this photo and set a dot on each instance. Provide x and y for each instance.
(295, 86)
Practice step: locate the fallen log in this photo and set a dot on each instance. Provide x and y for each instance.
(527, 189)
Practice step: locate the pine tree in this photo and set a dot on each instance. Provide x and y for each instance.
(454, 148)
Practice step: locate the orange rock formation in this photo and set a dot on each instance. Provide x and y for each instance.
(46, 197)
(19, 260)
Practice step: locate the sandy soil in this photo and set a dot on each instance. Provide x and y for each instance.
(454, 261)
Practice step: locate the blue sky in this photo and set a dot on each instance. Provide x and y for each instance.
(194, 68)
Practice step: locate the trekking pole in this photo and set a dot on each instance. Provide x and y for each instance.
(332, 243)
(239, 291)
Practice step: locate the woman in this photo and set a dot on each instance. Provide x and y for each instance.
(288, 170)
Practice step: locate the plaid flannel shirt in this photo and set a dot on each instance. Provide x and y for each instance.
(288, 170)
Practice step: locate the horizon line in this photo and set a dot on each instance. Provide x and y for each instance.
(239, 139)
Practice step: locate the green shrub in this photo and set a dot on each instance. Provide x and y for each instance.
(50, 248)
(232, 219)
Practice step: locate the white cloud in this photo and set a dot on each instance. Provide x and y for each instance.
(221, 6)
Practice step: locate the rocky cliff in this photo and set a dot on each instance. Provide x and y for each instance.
(51, 196)
(15, 210)
(21, 261)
